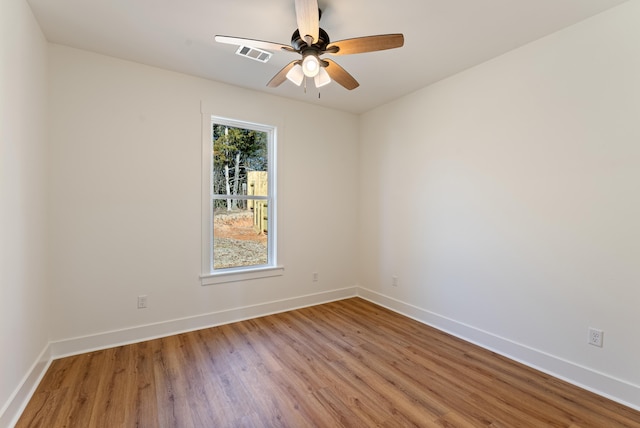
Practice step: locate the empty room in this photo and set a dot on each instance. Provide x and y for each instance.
(319, 213)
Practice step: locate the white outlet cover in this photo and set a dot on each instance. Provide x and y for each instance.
(596, 337)
(142, 302)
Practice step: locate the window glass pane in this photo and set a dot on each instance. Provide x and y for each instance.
(240, 236)
(237, 152)
(240, 173)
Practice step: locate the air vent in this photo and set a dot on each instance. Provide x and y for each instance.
(254, 53)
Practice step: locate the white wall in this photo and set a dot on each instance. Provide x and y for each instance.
(126, 199)
(505, 199)
(23, 281)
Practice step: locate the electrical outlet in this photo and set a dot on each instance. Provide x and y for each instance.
(595, 337)
(394, 281)
(142, 302)
(314, 276)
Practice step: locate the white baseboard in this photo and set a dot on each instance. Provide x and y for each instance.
(599, 383)
(109, 339)
(615, 389)
(11, 411)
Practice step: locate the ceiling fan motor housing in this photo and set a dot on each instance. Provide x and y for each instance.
(301, 46)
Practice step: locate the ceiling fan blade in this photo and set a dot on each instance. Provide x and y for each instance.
(308, 20)
(281, 76)
(366, 44)
(252, 43)
(340, 75)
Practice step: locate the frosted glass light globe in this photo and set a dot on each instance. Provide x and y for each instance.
(310, 65)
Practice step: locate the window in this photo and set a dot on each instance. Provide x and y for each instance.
(239, 224)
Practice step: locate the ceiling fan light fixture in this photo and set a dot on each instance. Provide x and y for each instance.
(322, 78)
(311, 65)
(296, 75)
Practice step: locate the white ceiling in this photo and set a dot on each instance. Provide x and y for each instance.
(442, 37)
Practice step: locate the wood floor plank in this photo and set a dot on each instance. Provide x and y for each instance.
(109, 387)
(173, 397)
(144, 402)
(348, 363)
(82, 390)
(45, 407)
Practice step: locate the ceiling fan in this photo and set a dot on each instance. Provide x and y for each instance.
(311, 42)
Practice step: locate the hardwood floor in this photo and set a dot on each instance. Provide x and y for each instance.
(343, 364)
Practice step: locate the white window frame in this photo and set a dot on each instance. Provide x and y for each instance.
(210, 275)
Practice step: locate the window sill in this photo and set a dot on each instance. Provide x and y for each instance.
(241, 275)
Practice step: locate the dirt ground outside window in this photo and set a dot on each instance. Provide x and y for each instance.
(236, 243)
